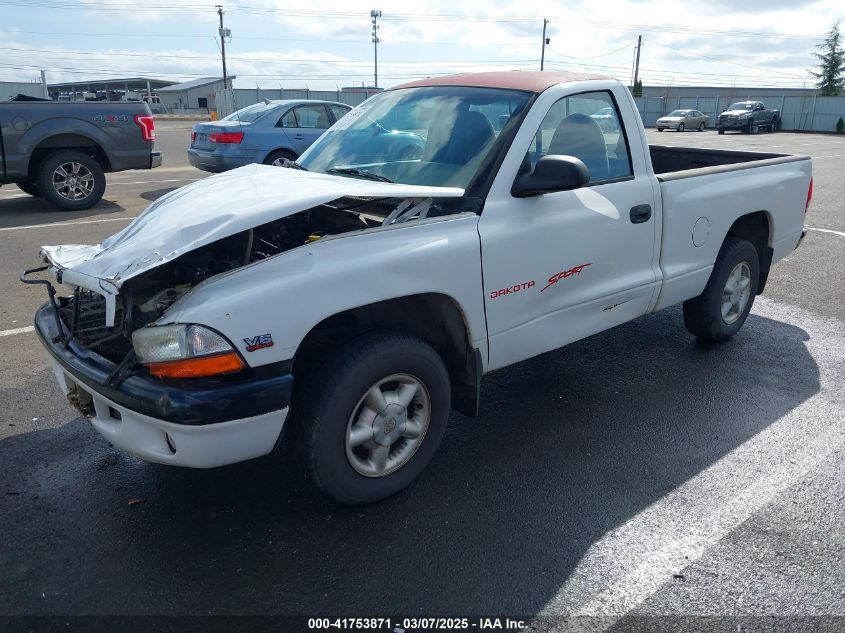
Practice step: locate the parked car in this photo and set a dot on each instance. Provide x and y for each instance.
(269, 132)
(748, 117)
(352, 303)
(681, 120)
(61, 151)
(605, 117)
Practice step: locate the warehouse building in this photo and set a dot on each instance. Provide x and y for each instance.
(192, 96)
(9, 89)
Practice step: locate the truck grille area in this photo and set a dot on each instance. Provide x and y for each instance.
(84, 314)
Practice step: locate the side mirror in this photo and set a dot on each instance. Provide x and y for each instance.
(551, 173)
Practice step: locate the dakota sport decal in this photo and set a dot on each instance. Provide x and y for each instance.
(258, 342)
(575, 270)
(525, 285)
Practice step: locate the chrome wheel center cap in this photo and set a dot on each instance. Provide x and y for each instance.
(389, 425)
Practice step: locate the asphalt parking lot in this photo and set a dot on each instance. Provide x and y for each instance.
(631, 475)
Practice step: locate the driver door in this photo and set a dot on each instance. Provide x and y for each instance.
(561, 266)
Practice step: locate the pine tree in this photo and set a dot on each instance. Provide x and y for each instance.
(637, 90)
(831, 64)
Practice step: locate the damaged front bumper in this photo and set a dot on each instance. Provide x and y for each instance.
(190, 422)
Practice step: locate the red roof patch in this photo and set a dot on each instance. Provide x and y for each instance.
(529, 80)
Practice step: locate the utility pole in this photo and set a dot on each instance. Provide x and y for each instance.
(224, 33)
(375, 14)
(546, 41)
(637, 63)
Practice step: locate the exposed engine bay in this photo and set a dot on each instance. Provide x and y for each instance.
(142, 300)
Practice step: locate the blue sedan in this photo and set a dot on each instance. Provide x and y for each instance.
(268, 132)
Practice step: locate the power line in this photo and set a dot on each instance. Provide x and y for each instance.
(441, 17)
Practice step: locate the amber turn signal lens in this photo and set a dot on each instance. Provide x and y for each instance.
(227, 363)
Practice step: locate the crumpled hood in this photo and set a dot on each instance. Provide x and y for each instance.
(209, 210)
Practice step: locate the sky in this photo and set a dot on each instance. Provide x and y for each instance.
(326, 44)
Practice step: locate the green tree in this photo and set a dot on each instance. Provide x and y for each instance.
(831, 75)
(637, 90)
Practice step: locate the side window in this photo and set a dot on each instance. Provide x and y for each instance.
(288, 119)
(338, 111)
(312, 116)
(586, 126)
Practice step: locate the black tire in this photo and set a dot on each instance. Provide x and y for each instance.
(278, 155)
(660, 129)
(334, 392)
(703, 315)
(76, 198)
(30, 188)
(681, 127)
(748, 129)
(775, 125)
(721, 130)
(701, 127)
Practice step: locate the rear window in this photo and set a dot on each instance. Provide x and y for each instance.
(250, 113)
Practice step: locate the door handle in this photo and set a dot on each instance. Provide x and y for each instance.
(640, 213)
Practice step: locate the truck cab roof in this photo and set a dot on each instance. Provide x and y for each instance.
(529, 81)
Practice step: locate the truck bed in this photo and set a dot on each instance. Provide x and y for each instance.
(672, 163)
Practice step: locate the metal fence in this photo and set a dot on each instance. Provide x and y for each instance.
(802, 113)
(227, 101)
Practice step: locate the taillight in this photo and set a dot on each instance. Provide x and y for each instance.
(148, 126)
(193, 136)
(225, 137)
(809, 196)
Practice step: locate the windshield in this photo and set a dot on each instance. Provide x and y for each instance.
(678, 113)
(437, 136)
(250, 113)
(741, 106)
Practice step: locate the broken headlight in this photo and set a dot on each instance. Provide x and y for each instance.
(185, 351)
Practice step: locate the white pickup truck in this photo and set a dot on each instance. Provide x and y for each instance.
(352, 299)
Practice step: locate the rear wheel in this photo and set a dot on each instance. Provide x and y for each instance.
(71, 180)
(719, 312)
(27, 186)
(278, 158)
(372, 417)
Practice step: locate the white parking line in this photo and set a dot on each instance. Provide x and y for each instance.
(628, 564)
(47, 226)
(17, 330)
(839, 233)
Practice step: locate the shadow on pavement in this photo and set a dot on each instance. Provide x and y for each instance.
(29, 211)
(568, 446)
(157, 193)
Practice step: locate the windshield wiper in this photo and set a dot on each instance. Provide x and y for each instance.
(360, 173)
(294, 165)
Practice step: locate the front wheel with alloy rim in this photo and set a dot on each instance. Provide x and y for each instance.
(681, 127)
(719, 312)
(371, 418)
(71, 180)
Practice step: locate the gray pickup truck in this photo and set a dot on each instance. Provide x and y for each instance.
(62, 151)
(748, 117)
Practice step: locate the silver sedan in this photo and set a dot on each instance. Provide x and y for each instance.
(681, 120)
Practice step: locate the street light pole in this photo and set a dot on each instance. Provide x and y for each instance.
(546, 41)
(375, 14)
